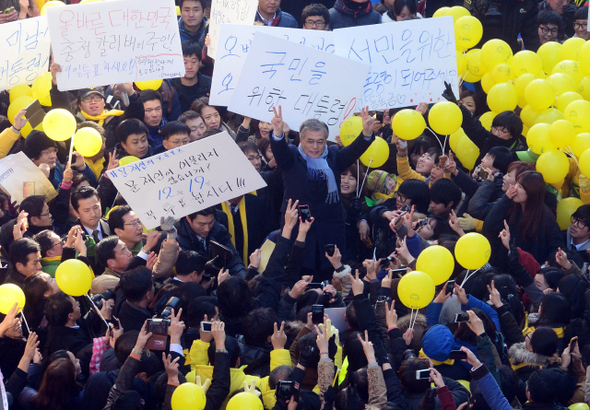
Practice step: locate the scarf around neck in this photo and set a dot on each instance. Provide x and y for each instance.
(318, 168)
(102, 116)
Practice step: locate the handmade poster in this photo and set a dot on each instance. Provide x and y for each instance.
(242, 12)
(112, 42)
(186, 179)
(25, 49)
(20, 177)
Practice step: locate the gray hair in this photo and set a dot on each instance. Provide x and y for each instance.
(312, 125)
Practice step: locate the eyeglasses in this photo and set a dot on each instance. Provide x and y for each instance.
(580, 26)
(45, 214)
(137, 222)
(315, 23)
(547, 30)
(579, 223)
(93, 98)
(401, 197)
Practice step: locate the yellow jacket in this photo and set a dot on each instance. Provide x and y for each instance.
(7, 140)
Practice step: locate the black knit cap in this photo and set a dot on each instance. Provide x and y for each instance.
(36, 142)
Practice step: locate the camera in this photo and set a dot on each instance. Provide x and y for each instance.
(384, 262)
(106, 295)
(206, 326)
(172, 303)
(409, 354)
(159, 326)
(287, 389)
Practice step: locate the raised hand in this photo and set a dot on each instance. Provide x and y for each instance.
(505, 236)
(368, 122)
(279, 337)
(495, 297)
(277, 122)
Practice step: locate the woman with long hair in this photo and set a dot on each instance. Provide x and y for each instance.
(59, 389)
(521, 214)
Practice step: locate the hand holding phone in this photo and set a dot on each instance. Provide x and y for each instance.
(317, 314)
(304, 213)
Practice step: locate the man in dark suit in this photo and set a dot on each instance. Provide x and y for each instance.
(197, 230)
(138, 290)
(25, 260)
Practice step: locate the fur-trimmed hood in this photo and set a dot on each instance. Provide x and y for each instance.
(519, 354)
(404, 322)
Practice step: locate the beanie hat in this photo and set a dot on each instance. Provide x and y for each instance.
(376, 181)
(438, 342)
(36, 142)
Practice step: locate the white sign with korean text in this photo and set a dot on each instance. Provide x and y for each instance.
(410, 60)
(186, 179)
(25, 47)
(19, 178)
(242, 12)
(307, 83)
(113, 42)
(235, 42)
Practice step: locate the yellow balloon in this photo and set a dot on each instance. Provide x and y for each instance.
(9, 295)
(525, 130)
(17, 105)
(578, 113)
(553, 165)
(461, 63)
(408, 124)
(41, 88)
(549, 116)
(468, 32)
(416, 290)
(562, 83)
(467, 152)
(522, 81)
(49, 4)
(584, 87)
(470, 78)
(437, 262)
(458, 12)
(570, 47)
(473, 250)
(584, 163)
(539, 94)
(526, 62)
(129, 159)
(549, 53)
(149, 84)
(73, 277)
(443, 11)
(502, 73)
(26, 130)
(377, 154)
(350, 129)
(486, 119)
(562, 133)
(495, 51)
(581, 143)
(455, 137)
(528, 115)
(178, 10)
(88, 142)
(188, 396)
(21, 90)
(59, 124)
(243, 401)
(578, 406)
(487, 82)
(502, 97)
(445, 117)
(570, 67)
(538, 138)
(474, 64)
(584, 58)
(564, 99)
(565, 209)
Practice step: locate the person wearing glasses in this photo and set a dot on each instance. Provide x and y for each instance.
(578, 234)
(549, 27)
(566, 11)
(124, 223)
(581, 23)
(315, 17)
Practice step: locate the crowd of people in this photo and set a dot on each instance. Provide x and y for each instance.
(316, 323)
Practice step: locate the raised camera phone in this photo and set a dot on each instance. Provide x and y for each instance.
(330, 249)
(423, 374)
(573, 343)
(304, 213)
(461, 317)
(450, 287)
(287, 389)
(317, 314)
(457, 355)
(483, 174)
(205, 326)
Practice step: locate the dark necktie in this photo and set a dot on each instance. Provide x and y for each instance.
(95, 235)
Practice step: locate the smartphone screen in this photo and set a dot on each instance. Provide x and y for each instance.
(317, 314)
(423, 374)
(450, 287)
(304, 213)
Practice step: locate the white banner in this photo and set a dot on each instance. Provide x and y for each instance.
(20, 177)
(410, 60)
(242, 12)
(25, 47)
(235, 42)
(113, 42)
(307, 83)
(186, 179)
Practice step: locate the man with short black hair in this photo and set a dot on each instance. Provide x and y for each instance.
(24, 257)
(138, 289)
(315, 17)
(174, 134)
(194, 84)
(192, 20)
(114, 256)
(270, 14)
(127, 226)
(153, 118)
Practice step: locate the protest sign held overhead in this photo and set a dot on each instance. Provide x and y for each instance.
(242, 12)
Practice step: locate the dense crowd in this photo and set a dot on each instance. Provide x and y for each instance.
(317, 321)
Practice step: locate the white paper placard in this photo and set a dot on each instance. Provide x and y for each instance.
(410, 60)
(307, 83)
(235, 42)
(186, 179)
(20, 177)
(113, 42)
(25, 47)
(242, 12)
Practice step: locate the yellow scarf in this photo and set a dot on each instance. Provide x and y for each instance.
(102, 116)
(450, 362)
(230, 224)
(559, 331)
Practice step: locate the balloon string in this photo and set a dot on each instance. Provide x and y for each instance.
(71, 149)
(26, 323)
(468, 276)
(445, 144)
(437, 139)
(358, 176)
(98, 310)
(367, 173)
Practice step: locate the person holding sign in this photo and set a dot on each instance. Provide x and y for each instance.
(311, 174)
